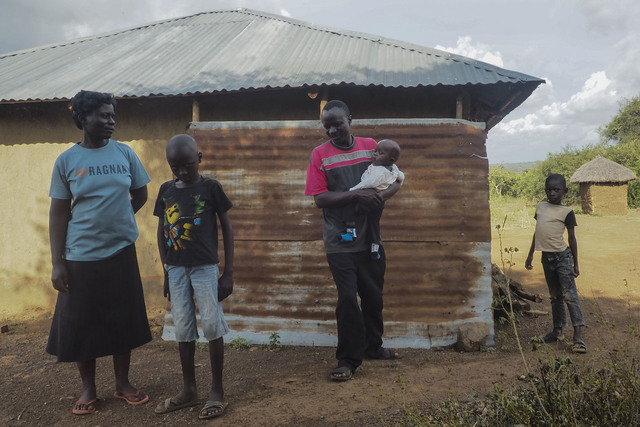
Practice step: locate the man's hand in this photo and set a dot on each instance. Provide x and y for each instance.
(368, 200)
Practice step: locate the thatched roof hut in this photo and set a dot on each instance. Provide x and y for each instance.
(603, 186)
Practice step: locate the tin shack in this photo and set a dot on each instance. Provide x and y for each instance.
(249, 86)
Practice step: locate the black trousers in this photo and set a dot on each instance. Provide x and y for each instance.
(360, 327)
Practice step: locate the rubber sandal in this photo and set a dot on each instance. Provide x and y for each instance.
(90, 407)
(216, 405)
(551, 338)
(127, 397)
(170, 405)
(341, 373)
(579, 347)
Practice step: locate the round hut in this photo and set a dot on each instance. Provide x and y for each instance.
(603, 186)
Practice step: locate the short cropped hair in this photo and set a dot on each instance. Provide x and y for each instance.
(556, 177)
(86, 101)
(337, 104)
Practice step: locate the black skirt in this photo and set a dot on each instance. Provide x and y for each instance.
(103, 313)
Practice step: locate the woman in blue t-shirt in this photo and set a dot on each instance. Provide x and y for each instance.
(97, 185)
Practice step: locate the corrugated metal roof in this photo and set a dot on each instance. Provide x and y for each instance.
(232, 50)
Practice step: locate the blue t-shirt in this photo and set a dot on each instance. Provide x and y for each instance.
(98, 181)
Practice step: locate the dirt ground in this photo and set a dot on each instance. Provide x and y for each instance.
(290, 385)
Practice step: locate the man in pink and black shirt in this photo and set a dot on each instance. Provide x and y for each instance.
(335, 167)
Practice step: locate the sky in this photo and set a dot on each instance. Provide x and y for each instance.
(587, 51)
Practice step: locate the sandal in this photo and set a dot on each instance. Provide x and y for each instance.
(212, 409)
(579, 347)
(551, 338)
(385, 354)
(84, 408)
(173, 404)
(137, 398)
(341, 373)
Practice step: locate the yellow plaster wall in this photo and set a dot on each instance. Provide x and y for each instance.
(25, 263)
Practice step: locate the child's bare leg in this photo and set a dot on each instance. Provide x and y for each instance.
(216, 356)
(187, 352)
(88, 375)
(189, 394)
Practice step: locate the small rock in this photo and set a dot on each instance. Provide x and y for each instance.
(472, 336)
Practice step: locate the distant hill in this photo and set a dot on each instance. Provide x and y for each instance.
(518, 167)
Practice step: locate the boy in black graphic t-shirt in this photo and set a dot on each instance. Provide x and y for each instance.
(187, 208)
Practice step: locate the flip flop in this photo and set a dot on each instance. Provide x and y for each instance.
(341, 373)
(385, 354)
(90, 407)
(171, 404)
(127, 397)
(579, 347)
(216, 405)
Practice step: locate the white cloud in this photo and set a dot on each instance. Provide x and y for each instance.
(555, 125)
(624, 65)
(285, 13)
(479, 51)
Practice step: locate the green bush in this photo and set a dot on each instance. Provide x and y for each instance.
(503, 182)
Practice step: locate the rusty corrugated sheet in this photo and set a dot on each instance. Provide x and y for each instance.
(446, 196)
(436, 229)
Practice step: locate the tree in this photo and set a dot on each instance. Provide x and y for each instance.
(622, 137)
(503, 182)
(624, 128)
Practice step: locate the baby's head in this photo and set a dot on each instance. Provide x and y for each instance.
(386, 153)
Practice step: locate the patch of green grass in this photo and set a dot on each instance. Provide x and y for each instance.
(240, 343)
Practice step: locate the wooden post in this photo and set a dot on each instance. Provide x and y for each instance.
(195, 111)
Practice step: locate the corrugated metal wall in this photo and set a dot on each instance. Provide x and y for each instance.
(436, 230)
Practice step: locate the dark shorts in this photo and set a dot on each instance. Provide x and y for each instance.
(104, 312)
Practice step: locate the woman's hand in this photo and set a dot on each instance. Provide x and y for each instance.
(60, 278)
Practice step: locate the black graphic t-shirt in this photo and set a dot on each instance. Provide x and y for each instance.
(190, 225)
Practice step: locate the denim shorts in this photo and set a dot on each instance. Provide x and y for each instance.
(202, 282)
